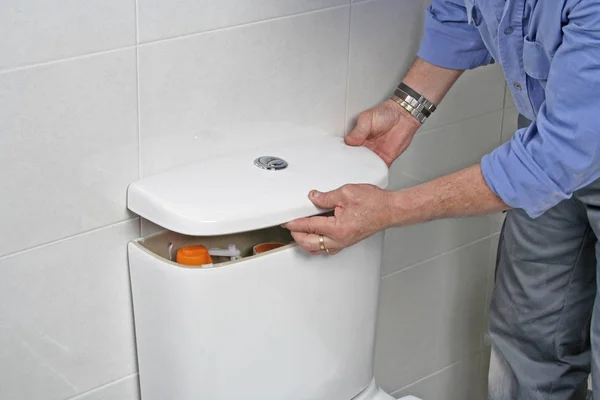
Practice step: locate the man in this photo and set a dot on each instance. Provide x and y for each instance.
(545, 324)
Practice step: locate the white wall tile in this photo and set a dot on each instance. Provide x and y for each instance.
(167, 19)
(384, 39)
(450, 148)
(477, 92)
(509, 124)
(68, 147)
(35, 31)
(498, 221)
(430, 315)
(210, 93)
(149, 228)
(407, 246)
(461, 381)
(431, 154)
(127, 388)
(66, 316)
(399, 180)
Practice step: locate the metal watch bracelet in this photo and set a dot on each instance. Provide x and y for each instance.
(419, 116)
(429, 106)
(417, 105)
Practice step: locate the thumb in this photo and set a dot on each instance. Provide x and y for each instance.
(361, 131)
(327, 200)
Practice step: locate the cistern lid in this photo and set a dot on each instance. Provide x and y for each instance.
(253, 188)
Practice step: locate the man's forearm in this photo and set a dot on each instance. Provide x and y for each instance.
(431, 81)
(463, 193)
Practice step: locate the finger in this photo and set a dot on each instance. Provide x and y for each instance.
(327, 200)
(310, 242)
(361, 131)
(304, 240)
(312, 225)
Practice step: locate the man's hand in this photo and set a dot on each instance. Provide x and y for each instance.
(386, 129)
(359, 212)
(362, 210)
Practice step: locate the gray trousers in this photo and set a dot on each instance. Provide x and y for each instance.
(544, 316)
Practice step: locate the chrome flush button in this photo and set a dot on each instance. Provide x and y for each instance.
(270, 163)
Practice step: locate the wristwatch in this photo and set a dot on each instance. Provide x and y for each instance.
(413, 102)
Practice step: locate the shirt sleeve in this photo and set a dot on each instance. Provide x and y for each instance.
(449, 40)
(560, 151)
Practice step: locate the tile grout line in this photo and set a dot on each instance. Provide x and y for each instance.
(363, 1)
(116, 49)
(491, 258)
(293, 15)
(347, 94)
(66, 238)
(501, 128)
(503, 111)
(439, 255)
(487, 290)
(80, 396)
(137, 88)
(61, 60)
(460, 121)
(438, 371)
(414, 178)
(482, 344)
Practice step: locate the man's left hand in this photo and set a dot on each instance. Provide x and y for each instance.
(359, 212)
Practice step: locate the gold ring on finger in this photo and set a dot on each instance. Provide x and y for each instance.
(322, 243)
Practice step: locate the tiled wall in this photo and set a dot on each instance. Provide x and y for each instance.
(438, 277)
(97, 93)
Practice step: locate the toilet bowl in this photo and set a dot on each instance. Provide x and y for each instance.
(373, 392)
(281, 324)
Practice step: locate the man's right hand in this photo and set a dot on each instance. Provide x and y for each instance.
(386, 129)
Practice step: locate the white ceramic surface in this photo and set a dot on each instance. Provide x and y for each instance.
(431, 314)
(407, 246)
(384, 39)
(460, 381)
(66, 156)
(160, 19)
(226, 90)
(148, 228)
(66, 325)
(282, 325)
(431, 154)
(477, 92)
(230, 194)
(35, 31)
(448, 149)
(127, 388)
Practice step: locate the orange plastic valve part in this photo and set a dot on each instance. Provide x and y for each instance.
(193, 255)
(268, 246)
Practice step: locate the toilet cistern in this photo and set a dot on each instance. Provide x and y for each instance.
(270, 325)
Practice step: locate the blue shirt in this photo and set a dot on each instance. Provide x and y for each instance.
(550, 54)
